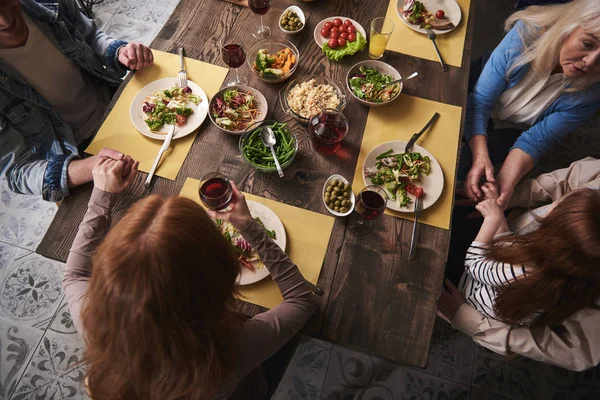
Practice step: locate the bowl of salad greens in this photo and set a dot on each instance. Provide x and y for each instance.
(365, 83)
(257, 155)
(235, 108)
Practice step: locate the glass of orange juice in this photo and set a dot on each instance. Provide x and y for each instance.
(381, 30)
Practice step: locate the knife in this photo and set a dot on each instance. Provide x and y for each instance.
(417, 210)
(164, 148)
(416, 136)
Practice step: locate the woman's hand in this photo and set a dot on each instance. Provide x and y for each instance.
(239, 214)
(490, 191)
(482, 166)
(449, 302)
(108, 174)
(135, 56)
(490, 209)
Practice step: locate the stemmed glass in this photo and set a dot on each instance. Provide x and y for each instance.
(260, 7)
(215, 192)
(233, 55)
(370, 204)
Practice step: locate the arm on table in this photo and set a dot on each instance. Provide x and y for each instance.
(267, 332)
(574, 345)
(547, 188)
(78, 269)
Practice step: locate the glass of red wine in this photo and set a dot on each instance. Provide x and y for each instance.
(260, 7)
(215, 192)
(233, 55)
(370, 204)
(327, 129)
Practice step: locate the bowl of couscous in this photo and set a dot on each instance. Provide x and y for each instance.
(309, 95)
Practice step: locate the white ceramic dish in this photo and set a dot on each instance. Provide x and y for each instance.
(352, 197)
(300, 15)
(271, 222)
(259, 102)
(194, 121)
(450, 8)
(320, 40)
(382, 68)
(433, 184)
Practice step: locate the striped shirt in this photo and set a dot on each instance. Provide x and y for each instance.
(482, 278)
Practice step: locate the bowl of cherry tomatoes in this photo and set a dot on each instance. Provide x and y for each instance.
(340, 33)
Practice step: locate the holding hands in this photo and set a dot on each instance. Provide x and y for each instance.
(113, 176)
(135, 56)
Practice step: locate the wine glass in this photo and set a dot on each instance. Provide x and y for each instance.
(215, 192)
(260, 7)
(370, 204)
(233, 55)
(327, 129)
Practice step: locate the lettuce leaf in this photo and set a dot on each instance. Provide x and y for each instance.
(350, 48)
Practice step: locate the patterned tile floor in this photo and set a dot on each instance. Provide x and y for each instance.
(40, 349)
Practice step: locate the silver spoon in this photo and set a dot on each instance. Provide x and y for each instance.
(400, 80)
(268, 138)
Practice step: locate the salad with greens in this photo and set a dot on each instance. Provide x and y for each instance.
(169, 107)
(336, 54)
(398, 174)
(246, 254)
(367, 85)
(235, 110)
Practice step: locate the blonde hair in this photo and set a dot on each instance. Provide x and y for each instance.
(546, 28)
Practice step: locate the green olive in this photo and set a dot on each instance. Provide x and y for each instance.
(338, 203)
(347, 186)
(329, 188)
(343, 209)
(334, 182)
(337, 209)
(345, 203)
(337, 190)
(300, 25)
(345, 194)
(333, 197)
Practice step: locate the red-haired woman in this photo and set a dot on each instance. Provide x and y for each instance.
(536, 293)
(150, 297)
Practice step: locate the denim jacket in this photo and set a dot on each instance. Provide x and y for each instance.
(36, 146)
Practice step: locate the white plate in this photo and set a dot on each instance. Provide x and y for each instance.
(450, 7)
(271, 222)
(432, 184)
(352, 197)
(194, 121)
(320, 40)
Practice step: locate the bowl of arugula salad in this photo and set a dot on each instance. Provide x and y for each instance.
(235, 108)
(365, 80)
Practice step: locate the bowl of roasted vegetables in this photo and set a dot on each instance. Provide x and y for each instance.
(273, 60)
(365, 82)
(234, 108)
(257, 155)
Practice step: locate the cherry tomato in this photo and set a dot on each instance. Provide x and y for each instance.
(325, 33)
(351, 29)
(440, 14)
(335, 29)
(328, 25)
(342, 42)
(415, 190)
(337, 22)
(347, 22)
(344, 35)
(333, 43)
(351, 37)
(334, 35)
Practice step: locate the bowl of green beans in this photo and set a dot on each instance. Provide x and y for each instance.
(259, 156)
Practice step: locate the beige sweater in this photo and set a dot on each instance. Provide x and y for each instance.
(261, 336)
(575, 344)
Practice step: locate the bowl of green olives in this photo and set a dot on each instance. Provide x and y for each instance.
(292, 20)
(338, 196)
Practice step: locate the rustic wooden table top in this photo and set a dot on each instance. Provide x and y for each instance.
(375, 300)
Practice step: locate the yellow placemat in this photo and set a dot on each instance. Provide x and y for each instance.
(117, 131)
(399, 121)
(406, 41)
(307, 240)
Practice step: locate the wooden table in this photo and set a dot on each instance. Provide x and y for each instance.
(375, 300)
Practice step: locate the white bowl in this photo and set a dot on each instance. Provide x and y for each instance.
(382, 68)
(352, 197)
(320, 40)
(300, 15)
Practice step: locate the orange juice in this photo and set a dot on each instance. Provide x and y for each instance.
(377, 45)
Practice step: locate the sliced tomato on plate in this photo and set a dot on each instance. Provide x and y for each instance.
(416, 191)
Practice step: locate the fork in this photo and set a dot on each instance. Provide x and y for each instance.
(182, 74)
(413, 241)
(431, 35)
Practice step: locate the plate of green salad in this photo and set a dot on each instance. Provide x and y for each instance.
(163, 103)
(365, 82)
(404, 176)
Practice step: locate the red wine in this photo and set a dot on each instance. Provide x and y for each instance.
(259, 7)
(216, 193)
(369, 204)
(234, 55)
(327, 132)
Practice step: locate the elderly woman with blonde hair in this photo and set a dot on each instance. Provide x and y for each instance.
(539, 84)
